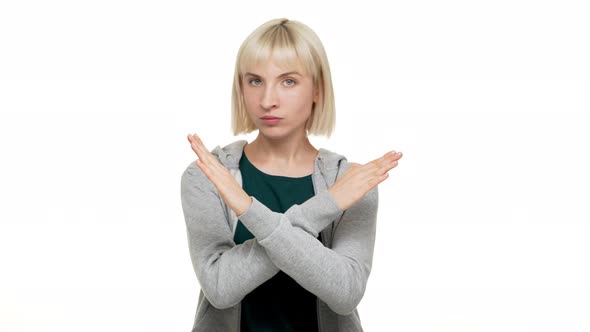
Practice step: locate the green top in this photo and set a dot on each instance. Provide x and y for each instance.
(279, 304)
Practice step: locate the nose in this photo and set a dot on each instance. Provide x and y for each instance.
(270, 99)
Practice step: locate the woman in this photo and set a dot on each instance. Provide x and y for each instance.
(281, 234)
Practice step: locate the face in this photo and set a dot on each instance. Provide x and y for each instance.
(286, 93)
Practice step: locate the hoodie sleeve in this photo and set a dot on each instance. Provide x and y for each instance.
(226, 272)
(314, 214)
(337, 275)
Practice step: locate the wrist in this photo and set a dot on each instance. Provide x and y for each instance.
(244, 205)
(334, 199)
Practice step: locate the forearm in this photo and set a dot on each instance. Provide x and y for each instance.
(228, 272)
(313, 215)
(337, 275)
(216, 259)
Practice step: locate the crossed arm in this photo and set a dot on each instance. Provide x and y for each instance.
(228, 272)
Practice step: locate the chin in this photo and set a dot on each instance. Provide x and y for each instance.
(272, 133)
(277, 133)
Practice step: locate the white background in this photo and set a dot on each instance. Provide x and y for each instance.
(483, 226)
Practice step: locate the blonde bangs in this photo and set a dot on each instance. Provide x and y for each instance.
(282, 46)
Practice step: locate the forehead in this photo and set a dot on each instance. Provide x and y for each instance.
(273, 69)
(274, 63)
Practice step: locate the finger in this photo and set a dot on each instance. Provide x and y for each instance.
(391, 157)
(375, 180)
(206, 156)
(374, 168)
(394, 155)
(375, 171)
(197, 150)
(391, 163)
(209, 163)
(202, 151)
(195, 146)
(206, 159)
(199, 141)
(194, 139)
(203, 168)
(384, 165)
(383, 158)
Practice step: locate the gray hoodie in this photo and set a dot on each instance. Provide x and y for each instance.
(336, 270)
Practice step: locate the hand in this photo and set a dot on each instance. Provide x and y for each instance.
(360, 179)
(230, 190)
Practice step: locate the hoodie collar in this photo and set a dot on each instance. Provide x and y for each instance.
(230, 155)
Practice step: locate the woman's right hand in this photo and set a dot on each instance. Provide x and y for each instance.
(360, 179)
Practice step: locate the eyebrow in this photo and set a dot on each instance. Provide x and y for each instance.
(284, 74)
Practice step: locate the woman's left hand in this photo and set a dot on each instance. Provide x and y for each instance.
(230, 190)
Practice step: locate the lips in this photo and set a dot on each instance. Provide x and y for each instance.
(270, 120)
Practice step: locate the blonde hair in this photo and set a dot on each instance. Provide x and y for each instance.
(289, 41)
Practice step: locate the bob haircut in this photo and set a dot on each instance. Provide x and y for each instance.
(290, 41)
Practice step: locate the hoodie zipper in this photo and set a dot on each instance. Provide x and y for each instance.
(318, 304)
(238, 325)
(318, 310)
(322, 240)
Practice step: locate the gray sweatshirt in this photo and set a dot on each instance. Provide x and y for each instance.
(336, 270)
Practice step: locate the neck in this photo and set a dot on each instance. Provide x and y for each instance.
(284, 153)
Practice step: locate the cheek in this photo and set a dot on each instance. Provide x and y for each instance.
(298, 97)
(250, 98)
(302, 102)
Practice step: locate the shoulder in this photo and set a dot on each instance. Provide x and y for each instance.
(193, 177)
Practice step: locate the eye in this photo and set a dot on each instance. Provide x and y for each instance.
(287, 80)
(252, 80)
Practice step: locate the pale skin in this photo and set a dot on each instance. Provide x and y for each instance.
(284, 148)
